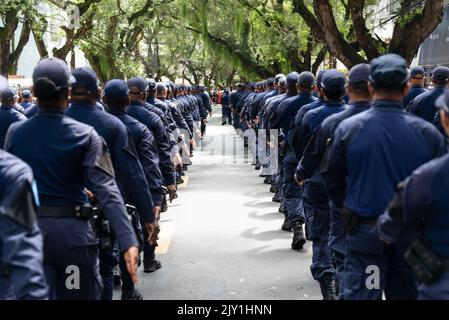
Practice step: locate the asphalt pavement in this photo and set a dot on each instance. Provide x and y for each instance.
(221, 239)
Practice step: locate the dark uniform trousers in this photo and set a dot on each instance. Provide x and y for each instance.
(364, 248)
(337, 238)
(317, 213)
(292, 192)
(70, 243)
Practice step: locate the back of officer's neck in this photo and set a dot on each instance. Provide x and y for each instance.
(90, 101)
(388, 96)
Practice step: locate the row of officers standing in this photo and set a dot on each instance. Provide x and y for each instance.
(84, 177)
(363, 163)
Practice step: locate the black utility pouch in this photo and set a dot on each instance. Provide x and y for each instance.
(426, 265)
(351, 221)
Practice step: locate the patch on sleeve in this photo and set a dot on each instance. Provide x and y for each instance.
(23, 207)
(104, 161)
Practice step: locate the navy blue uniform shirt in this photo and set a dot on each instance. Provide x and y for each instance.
(375, 150)
(8, 116)
(129, 173)
(423, 198)
(147, 152)
(21, 243)
(314, 152)
(155, 125)
(413, 93)
(424, 105)
(66, 156)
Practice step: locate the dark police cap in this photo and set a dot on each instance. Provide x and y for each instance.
(8, 93)
(292, 78)
(389, 70)
(417, 73)
(319, 77)
(333, 80)
(54, 73)
(160, 86)
(116, 89)
(86, 81)
(440, 73)
(306, 79)
(151, 83)
(137, 82)
(359, 73)
(283, 81)
(278, 77)
(270, 82)
(26, 94)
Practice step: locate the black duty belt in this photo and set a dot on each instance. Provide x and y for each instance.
(367, 221)
(76, 212)
(3, 270)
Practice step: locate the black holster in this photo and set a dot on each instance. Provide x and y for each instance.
(426, 265)
(351, 220)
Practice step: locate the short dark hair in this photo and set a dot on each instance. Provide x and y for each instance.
(389, 89)
(45, 90)
(360, 87)
(440, 81)
(117, 103)
(334, 95)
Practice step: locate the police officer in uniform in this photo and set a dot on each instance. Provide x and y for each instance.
(417, 77)
(315, 199)
(424, 105)
(66, 157)
(129, 173)
(314, 159)
(8, 114)
(21, 244)
(292, 192)
(138, 109)
(370, 154)
(27, 100)
(117, 100)
(421, 207)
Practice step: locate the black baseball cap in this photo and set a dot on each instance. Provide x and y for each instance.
(417, 73)
(359, 73)
(116, 89)
(306, 79)
(54, 74)
(138, 83)
(86, 81)
(333, 80)
(389, 71)
(440, 73)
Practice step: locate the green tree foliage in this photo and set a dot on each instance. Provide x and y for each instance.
(217, 41)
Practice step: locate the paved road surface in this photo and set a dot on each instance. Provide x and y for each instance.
(221, 239)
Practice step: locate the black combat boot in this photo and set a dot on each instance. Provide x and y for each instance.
(286, 226)
(282, 209)
(273, 189)
(185, 167)
(258, 166)
(298, 236)
(164, 206)
(329, 288)
(268, 180)
(150, 266)
(276, 198)
(132, 294)
(117, 277)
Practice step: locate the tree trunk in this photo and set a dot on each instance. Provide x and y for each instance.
(408, 37)
(339, 47)
(364, 38)
(15, 55)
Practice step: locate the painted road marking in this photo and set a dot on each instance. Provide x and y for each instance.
(165, 237)
(186, 182)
